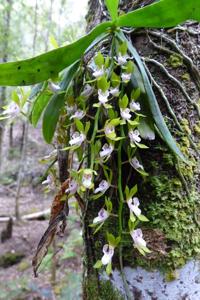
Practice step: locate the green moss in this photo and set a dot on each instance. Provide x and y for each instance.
(103, 291)
(9, 259)
(197, 128)
(174, 214)
(175, 60)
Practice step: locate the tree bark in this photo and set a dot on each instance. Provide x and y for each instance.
(170, 195)
(6, 34)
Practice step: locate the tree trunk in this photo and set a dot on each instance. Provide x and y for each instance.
(6, 33)
(170, 194)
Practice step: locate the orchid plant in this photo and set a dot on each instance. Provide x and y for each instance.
(111, 127)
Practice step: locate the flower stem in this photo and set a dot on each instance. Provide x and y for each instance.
(93, 136)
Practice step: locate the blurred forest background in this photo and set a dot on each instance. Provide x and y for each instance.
(27, 28)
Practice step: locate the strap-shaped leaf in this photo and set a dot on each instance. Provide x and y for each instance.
(153, 104)
(48, 65)
(112, 6)
(55, 105)
(165, 13)
(39, 105)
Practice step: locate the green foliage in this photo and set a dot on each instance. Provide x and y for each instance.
(153, 104)
(56, 103)
(48, 65)
(112, 6)
(164, 13)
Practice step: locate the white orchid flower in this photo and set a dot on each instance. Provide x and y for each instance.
(108, 129)
(49, 181)
(108, 251)
(137, 237)
(135, 106)
(71, 109)
(125, 113)
(53, 87)
(122, 59)
(114, 91)
(134, 136)
(99, 72)
(103, 96)
(12, 110)
(51, 155)
(106, 151)
(102, 216)
(88, 90)
(73, 187)
(136, 164)
(79, 114)
(126, 77)
(77, 139)
(103, 186)
(133, 204)
(87, 179)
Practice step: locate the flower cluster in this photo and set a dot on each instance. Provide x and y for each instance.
(104, 128)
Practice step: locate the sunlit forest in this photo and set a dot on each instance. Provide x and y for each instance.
(99, 149)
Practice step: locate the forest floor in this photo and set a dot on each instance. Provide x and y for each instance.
(17, 281)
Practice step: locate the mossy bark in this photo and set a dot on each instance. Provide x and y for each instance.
(170, 195)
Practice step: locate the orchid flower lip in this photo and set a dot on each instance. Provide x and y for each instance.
(126, 77)
(133, 205)
(77, 138)
(79, 114)
(102, 216)
(125, 113)
(134, 136)
(103, 96)
(136, 164)
(108, 251)
(137, 237)
(109, 129)
(99, 72)
(114, 91)
(106, 151)
(73, 186)
(103, 186)
(135, 106)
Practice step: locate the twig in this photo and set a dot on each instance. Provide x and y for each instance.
(174, 79)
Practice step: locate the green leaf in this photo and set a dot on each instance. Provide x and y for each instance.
(123, 103)
(56, 103)
(109, 269)
(115, 79)
(79, 125)
(98, 264)
(143, 218)
(112, 6)
(162, 14)
(146, 129)
(99, 60)
(132, 217)
(111, 239)
(135, 94)
(103, 84)
(15, 97)
(38, 106)
(153, 104)
(133, 191)
(48, 65)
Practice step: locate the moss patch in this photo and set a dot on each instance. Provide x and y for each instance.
(105, 290)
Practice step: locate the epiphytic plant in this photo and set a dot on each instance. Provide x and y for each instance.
(112, 126)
